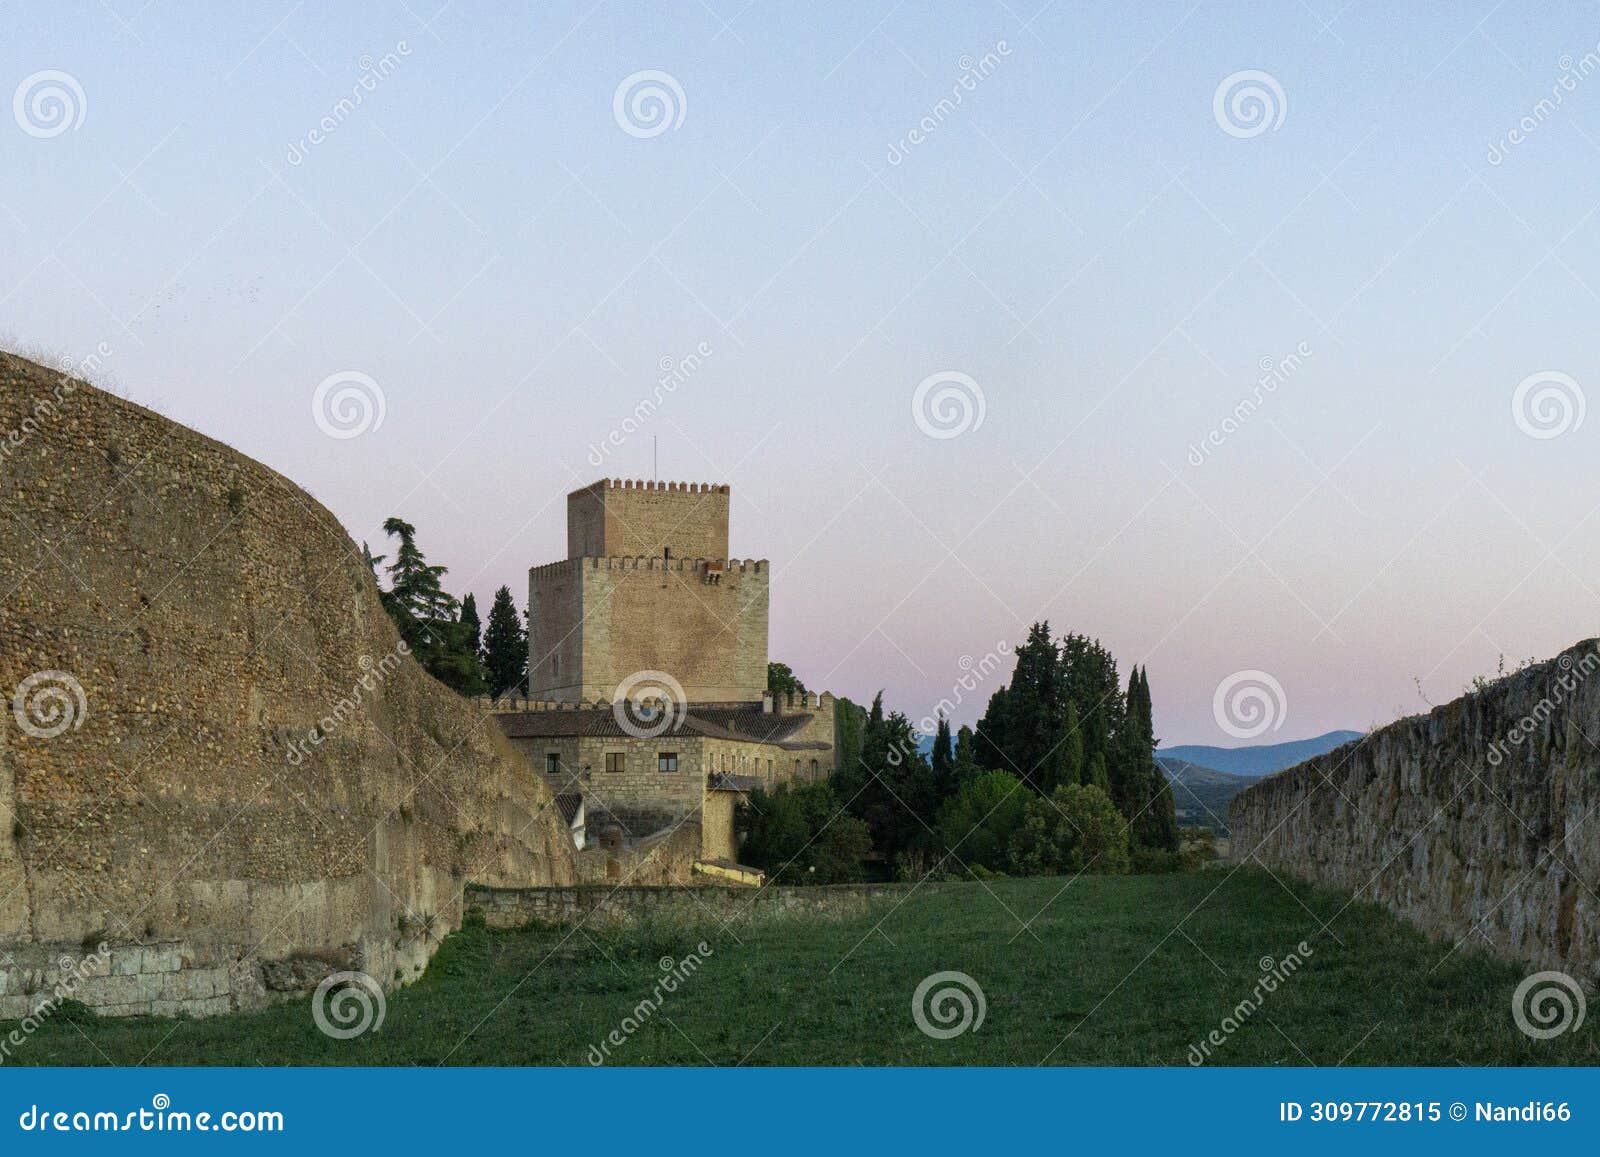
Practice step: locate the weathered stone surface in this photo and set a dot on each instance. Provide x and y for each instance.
(255, 772)
(1476, 821)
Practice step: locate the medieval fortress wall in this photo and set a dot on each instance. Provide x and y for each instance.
(254, 785)
(1477, 821)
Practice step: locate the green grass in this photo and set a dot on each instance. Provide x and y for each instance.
(1100, 977)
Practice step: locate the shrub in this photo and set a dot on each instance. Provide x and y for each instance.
(1077, 829)
(1153, 862)
(976, 825)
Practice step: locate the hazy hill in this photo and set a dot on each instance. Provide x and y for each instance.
(1260, 760)
(1200, 795)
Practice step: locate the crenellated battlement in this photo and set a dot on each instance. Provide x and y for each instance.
(652, 484)
(654, 562)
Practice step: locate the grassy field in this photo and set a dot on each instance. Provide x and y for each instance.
(1123, 971)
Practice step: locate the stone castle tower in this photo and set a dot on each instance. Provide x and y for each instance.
(648, 610)
(647, 585)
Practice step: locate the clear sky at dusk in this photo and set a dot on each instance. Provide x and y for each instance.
(1055, 201)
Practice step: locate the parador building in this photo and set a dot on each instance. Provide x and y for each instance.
(647, 708)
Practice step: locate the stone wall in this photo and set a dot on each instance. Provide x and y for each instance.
(513, 908)
(252, 773)
(594, 622)
(617, 517)
(1476, 821)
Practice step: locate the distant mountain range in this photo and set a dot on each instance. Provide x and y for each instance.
(1205, 779)
(1201, 795)
(1254, 762)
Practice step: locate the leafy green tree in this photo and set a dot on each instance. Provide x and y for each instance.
(977, 824)
(782, 681)
(802, 834)
(1076, 829)
(505, 645)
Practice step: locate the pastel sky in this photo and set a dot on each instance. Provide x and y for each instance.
(1106, 250)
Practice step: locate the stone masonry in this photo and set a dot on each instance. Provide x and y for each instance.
(256, 786)
(1477, 821)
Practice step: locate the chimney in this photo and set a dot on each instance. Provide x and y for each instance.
(766, 703)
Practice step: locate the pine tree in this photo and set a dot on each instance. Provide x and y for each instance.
(426, 614)
(505, 646)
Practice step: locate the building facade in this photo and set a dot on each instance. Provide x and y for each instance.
(647, 669)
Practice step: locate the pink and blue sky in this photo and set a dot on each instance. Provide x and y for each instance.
(1094, 235)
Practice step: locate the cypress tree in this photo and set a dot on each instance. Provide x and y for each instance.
(505, 646)
(943, 761)
(473, 629)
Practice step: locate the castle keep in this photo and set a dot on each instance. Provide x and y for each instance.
(647, 707)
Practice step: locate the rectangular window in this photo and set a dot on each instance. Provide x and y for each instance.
(552, 763)
(667, 761)
(615, 761)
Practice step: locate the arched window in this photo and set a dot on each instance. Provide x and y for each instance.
(813, 769)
